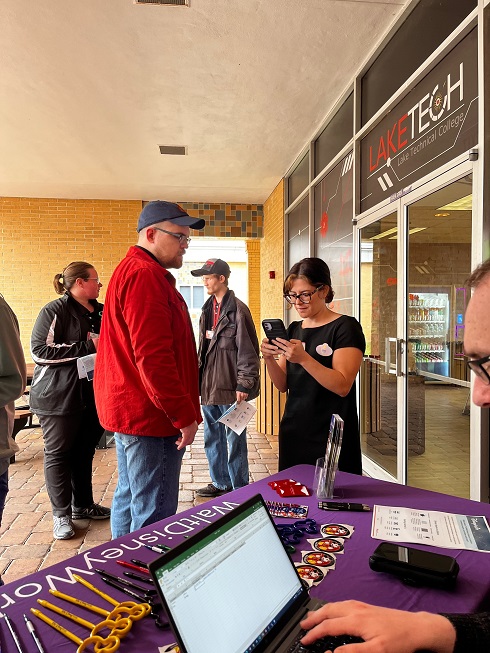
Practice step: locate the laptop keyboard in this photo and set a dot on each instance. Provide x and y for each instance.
(323, 644)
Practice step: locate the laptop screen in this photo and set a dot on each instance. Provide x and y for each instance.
(227, 590)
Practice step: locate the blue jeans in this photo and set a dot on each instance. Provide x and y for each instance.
(148, 481)
(225, 450)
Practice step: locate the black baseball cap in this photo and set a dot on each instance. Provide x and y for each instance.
(213, 266)
(160, 211)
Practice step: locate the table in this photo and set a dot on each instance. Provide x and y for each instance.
(352, 577)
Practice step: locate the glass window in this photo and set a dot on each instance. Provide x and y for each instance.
(431, 21)
(185, 291)
(298, 233)
(333, 231)
(299, 179)
(197, 296)
(335, 136)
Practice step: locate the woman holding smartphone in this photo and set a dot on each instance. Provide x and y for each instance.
(67, 329)
(317, 365)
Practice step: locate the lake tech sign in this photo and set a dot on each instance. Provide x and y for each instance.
(434, 123)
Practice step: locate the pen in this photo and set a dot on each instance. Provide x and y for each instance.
(139, 563)
(157, 548)
(332, 505)
(123, 563)
(31, 629)
(125, 582)
(13, 633)
(130, 574)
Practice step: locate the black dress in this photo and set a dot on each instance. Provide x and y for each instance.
(309, 406)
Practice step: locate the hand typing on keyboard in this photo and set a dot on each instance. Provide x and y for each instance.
(379, 629)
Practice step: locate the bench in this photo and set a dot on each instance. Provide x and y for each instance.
(22, 420)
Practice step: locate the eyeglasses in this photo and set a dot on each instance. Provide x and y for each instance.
(182, 238)
(93, 279)
(304, 297)
(477, 366)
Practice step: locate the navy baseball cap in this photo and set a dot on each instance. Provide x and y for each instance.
(213, 266)
(160, 211)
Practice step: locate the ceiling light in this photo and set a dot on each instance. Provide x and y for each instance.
(180, 150)
(463, 204)
(383, 234)
(441, 215)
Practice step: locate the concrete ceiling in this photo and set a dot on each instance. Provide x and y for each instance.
(90, 88)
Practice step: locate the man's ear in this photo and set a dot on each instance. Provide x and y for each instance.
(150, 234)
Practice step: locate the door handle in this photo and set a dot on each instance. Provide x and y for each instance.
(399, 350)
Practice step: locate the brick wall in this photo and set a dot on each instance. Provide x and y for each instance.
(39, 237)
(272, 255)
(253, 250)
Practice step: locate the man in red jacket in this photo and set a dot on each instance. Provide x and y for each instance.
(146, 374)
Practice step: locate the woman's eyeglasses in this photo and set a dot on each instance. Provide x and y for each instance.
(479, 367)
(304, 297)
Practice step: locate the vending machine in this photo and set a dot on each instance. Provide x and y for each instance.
(428, 330)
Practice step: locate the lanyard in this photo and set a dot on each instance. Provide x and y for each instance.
(216, 312)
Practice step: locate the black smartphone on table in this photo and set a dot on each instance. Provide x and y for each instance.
(415, 566)
(274, 328)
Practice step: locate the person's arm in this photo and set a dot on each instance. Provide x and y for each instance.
(345, 365)
(472, 632)
(12, 362)
(383, 629)
(247, 361)
(48, 346)
(275, 368)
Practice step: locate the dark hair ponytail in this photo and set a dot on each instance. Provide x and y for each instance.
(73, 271)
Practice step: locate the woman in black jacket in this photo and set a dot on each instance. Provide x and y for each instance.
(66, 330)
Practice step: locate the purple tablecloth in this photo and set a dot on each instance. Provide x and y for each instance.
(352, 577)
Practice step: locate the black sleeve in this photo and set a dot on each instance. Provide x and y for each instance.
(348, 333)
(472, 632)
(48, 344)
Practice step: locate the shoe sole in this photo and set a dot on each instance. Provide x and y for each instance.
(84, 517)
(211, 495)
(64, 537)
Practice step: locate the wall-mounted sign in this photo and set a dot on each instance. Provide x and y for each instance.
(434, 123)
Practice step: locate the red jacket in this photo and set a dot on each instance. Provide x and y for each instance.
(146, 372)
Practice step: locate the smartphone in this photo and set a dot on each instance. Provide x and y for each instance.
(274, 328)
(415, 566)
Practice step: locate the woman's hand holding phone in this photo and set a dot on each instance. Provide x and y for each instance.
(268, 349)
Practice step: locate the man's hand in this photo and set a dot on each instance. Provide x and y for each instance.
(241, 396)
(188, 435)
(383, 629)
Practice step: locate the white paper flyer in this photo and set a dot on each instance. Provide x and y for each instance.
(441, 529)
(238, 416)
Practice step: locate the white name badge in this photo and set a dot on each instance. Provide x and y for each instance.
(209, 334)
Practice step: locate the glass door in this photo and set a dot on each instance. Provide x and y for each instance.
(439, 262)
(415, 256)
(381, 367)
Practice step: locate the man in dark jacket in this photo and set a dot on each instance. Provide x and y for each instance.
(228, 373)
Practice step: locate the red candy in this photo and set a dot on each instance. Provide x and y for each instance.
(289, 488)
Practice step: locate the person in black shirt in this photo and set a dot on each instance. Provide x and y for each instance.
(317, 366)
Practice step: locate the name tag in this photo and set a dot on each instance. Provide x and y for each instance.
(209, 334)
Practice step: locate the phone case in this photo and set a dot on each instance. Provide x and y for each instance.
(274, 328)
(442, 578)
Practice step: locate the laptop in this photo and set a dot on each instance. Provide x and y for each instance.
(232, 587)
